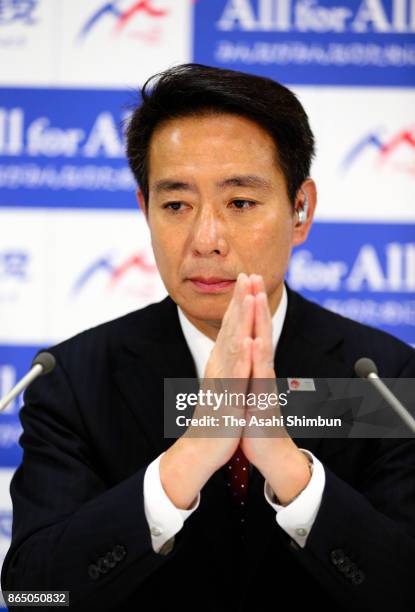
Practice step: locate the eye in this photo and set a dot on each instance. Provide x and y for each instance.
(240, 204)
(173, 206)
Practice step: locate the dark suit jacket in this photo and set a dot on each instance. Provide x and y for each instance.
(94, 424)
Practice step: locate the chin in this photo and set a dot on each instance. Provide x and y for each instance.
(204, 312)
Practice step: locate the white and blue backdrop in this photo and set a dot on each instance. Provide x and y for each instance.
(74, 250)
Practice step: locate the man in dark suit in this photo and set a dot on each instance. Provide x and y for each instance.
(108, 508)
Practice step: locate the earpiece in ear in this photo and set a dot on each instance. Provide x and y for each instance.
(302, 211)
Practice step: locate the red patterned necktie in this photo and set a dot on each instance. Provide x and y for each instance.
(237, 478)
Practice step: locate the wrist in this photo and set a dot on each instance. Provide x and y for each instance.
(289, 501)
(290, 478)
(181, 474)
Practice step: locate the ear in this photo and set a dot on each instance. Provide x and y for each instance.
(142, 203)
(307, 191)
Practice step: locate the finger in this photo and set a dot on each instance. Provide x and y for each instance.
(241, 289)
(263, 320)
(234, 304)
(237, 311)
(247, 356)
(263, 380)
(237, 326)
(243, 319)
(256, 283)
(246, 323)
(242, 329)
(244, 287)
(260, 283)
(243, 366)
(244, 369)
(262, 360)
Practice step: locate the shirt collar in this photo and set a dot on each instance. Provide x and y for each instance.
(200, 345)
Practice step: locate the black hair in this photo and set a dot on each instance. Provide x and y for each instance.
(194, 89)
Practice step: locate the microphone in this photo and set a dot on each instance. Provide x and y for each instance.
(366, 368)
(43, 363)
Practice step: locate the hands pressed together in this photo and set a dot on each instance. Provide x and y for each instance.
(243, 351)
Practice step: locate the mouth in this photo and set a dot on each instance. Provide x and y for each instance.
(212, 284)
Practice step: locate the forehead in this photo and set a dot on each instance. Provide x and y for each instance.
(217, 142)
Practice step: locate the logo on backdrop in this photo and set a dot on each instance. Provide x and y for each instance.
(391, 271)
(40, 137)
(358, 271)
(309, 40)
(18, 276)
(17, 21)
(121, 14)
(69, 147)
(361, 16)
(115, 274)
(18, 11)
(396, 151)
(14, 264)
(14, 275)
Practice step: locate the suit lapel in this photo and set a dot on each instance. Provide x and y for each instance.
(154, 351)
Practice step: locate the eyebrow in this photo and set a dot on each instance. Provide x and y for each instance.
(172, 185)
(240, 180)
(246, 180)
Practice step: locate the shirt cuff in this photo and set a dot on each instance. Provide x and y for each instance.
(163, 517)
(297, 518)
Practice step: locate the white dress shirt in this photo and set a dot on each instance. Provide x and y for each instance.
(165, 520)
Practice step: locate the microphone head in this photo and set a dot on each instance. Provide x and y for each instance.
(46, 360)
(365, 366)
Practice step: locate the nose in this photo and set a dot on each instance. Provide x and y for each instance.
(208, 233)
